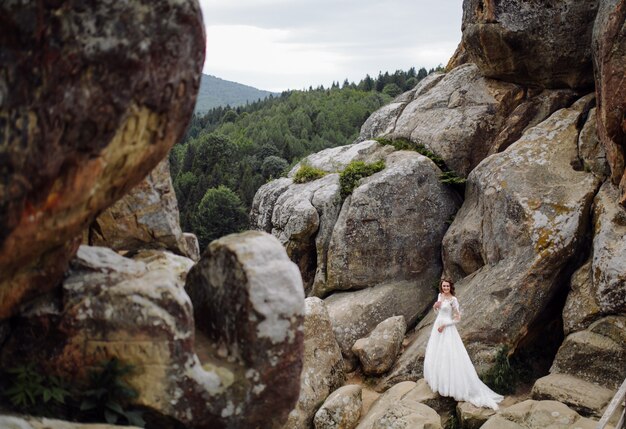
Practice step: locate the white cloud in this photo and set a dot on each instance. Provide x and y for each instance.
(281, 44)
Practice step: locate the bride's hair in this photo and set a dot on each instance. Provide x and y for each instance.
(451, 285)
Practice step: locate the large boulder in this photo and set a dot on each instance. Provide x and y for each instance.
(543, 43)
(341, 410)
(584, 397)
(378, 351)
(520, 229)
(459, 116)
(355, 314)
(92, 97)
(597, 354)
(390, 228)
(322, 367)
(145, 218)
(248, 301)
(539, 415)
(609, 57)
(395, 409)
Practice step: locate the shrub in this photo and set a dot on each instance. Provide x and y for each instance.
(354, 172)
(306, 173)
(105, 396)
(501, 377)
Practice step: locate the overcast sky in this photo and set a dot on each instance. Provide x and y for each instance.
(292, 44)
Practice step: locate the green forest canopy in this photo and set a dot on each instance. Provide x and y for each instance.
(228, 153)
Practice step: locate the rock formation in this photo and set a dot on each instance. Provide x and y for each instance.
(322, 366)
(609, 58)
(545, 43)
(86, 115)
(146, 217)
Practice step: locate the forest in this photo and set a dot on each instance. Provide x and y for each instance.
(228, 153)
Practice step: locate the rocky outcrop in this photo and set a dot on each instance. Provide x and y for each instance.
(145, 218)
(137, 311)
(322, 367)
(258, 341)
(609, 57)
(341, 410)
(459, 116)
(378, 351)
(520, 228)
(393, 409)
(545, 44)
(390, 228)
(463, 117)
(584, 397)
(597, 354)
(538, 415)
(355, 314)
(84, 122)
(336, 243)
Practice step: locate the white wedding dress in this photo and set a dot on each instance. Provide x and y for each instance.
(448, 369)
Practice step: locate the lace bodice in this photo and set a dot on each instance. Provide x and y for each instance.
(449, 307)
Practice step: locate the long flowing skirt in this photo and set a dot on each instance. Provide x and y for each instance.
(449, 371)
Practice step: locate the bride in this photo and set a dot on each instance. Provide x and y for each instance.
(448, 369)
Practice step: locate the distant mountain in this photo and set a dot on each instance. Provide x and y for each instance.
(216, 92)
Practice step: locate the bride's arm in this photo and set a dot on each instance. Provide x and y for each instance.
(437, 304)
(456, 310)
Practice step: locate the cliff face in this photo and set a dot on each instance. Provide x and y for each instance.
(531, 112)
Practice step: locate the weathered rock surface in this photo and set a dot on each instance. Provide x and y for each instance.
(383, 121)
(12, 422)
(584, 397)
(471, 417)
(521, 225)
(263, 203)
(609, 57)
(303, 218)
(378, 351)
(322, 367)
(598, 287)
(544, 43)
(336, 159)
(597, 354)
(459, 116)
(355, 314)
(138, 311)
(539, 415)
(394, 410)
(390, 228)
(145, 218)
(609, 252)
(249, 302)
(535, 109)
(422, 393)
(85, 122)
(590, 150)
(341, 410)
